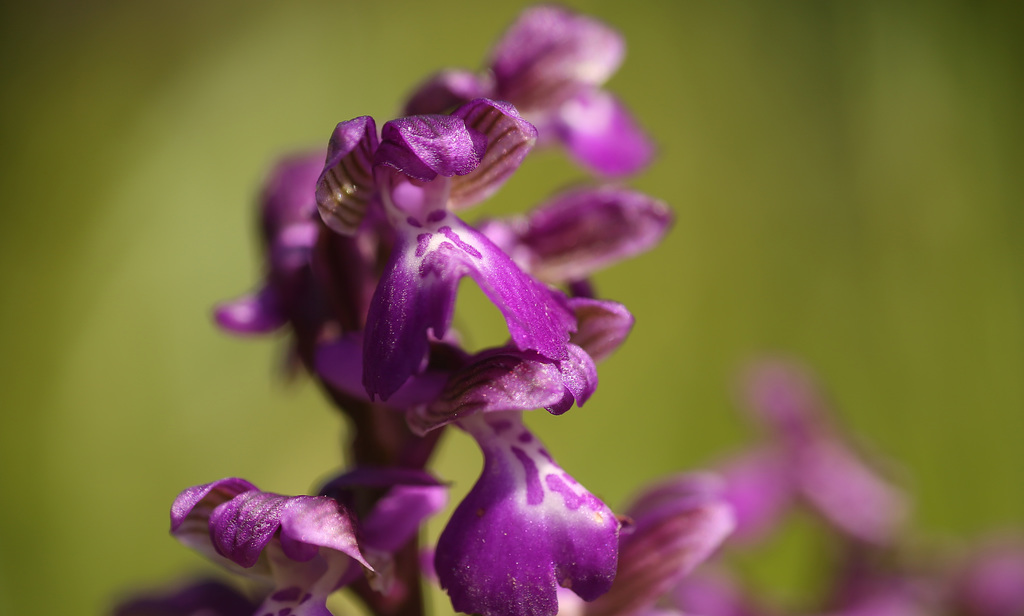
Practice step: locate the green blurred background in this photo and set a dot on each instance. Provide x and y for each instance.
(847, 179)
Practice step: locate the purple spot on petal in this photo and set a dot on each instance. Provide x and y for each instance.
(500, 425)
(436, 216)
(288, 594)
(544, 452)
(285, 612)
(422, 241)
(525, 437)
(572, 499)
(306, 597)
(413, 222)
(454, 237)
(534, 491)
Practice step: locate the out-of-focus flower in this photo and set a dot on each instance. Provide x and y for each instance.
(675, 525)
(991, 582)
(423, 168)
(810, 461)
(551, 64)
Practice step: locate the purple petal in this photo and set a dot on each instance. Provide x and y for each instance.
(579, 375)
(602, 135)
(417, 294)
(289, 196)
(346, 185)
(678, 523)
(499, 380)
(601, 326)
(550, 53)
(397, 517)
(340, 363)
(992, 583)
(509, 140)
(582, 231)
(847, 493)
(208, 597)
(423, 147)
(445, 91)
(251, 314)
(524, 529)
(760, 487)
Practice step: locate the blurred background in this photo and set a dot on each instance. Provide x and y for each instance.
(847, 181)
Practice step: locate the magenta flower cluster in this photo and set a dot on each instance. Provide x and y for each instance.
(365, 246)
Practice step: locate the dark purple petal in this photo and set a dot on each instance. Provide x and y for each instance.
(601, 134)
(445, 91)
(198, 502)
(601, 326)
(524, 529)
(251, 314)
(423, 147)
(345, 186)
(509, 140)
(241, 527)
(550, 53)
(677, 524)
(397, 516)
(340, 363)
(207, 598)
(417, 294)
(289, 196)
(582, 231)
(500, 380)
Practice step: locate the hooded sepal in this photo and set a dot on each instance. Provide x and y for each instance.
(346, 185)
(509, 139)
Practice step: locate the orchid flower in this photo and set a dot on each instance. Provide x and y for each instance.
(551, 64)
(421, 171)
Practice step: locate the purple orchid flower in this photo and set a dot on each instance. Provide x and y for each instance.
(551, 64)
(578, 232)
(305, 546)
(422, 169)
(525, 529)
